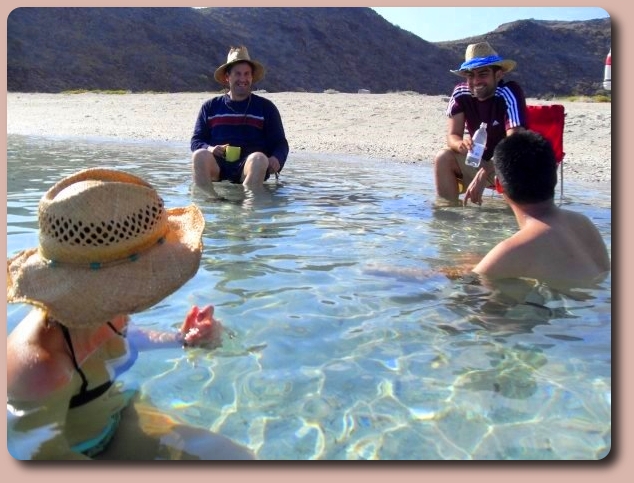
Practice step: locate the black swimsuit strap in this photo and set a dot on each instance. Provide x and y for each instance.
(114, 329)
(84, 384)
(85, 395)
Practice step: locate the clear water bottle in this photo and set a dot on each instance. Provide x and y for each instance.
(474, 156)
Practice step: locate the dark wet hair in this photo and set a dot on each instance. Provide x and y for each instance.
(526, 167)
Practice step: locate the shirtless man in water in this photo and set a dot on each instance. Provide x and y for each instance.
(553, 245)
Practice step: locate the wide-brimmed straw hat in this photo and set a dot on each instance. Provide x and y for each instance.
(482, 55)
(107, 247)
(235, 55)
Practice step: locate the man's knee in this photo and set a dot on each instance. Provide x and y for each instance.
(204, 165)
(444, 159)
(200, 155)
(258, 159)
(257, 163)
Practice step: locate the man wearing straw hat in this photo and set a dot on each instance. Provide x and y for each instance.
(238, 136)
(108, 247)
(483, 97)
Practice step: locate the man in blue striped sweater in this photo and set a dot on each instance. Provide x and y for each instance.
(238, 118)
(483, 97)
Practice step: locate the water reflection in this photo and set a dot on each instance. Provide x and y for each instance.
(344, 341)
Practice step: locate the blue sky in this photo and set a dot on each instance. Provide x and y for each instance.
(437, 24)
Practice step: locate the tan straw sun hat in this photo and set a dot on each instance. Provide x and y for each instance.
(107, 247)
(482, 55)
(235, 55)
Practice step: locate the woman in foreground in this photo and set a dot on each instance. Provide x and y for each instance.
(108, 248)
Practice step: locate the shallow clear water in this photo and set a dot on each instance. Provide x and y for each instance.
(336, 346)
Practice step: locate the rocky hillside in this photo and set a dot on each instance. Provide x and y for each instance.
(303, 49)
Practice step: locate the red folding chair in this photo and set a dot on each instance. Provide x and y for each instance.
(548, 120)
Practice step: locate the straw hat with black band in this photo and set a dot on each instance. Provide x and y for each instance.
(482, 55)
(235, 55)
(107, 247)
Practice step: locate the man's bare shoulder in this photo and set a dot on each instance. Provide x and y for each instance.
(509, 258)
(561, 248)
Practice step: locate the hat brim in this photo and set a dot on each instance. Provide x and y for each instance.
(506, 66)
(258, 71)
(80, 297)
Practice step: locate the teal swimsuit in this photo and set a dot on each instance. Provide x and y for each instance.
(94, 446)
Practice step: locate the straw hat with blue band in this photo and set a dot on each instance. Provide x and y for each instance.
(107, 247)
(482, 55)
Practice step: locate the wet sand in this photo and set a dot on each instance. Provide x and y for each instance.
(401, 126)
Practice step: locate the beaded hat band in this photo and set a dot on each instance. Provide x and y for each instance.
(108, 246)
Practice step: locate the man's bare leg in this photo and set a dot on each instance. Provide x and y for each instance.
(205, 170)
(255, 170)
(446, 172)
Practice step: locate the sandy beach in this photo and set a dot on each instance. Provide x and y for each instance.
(402, 126)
